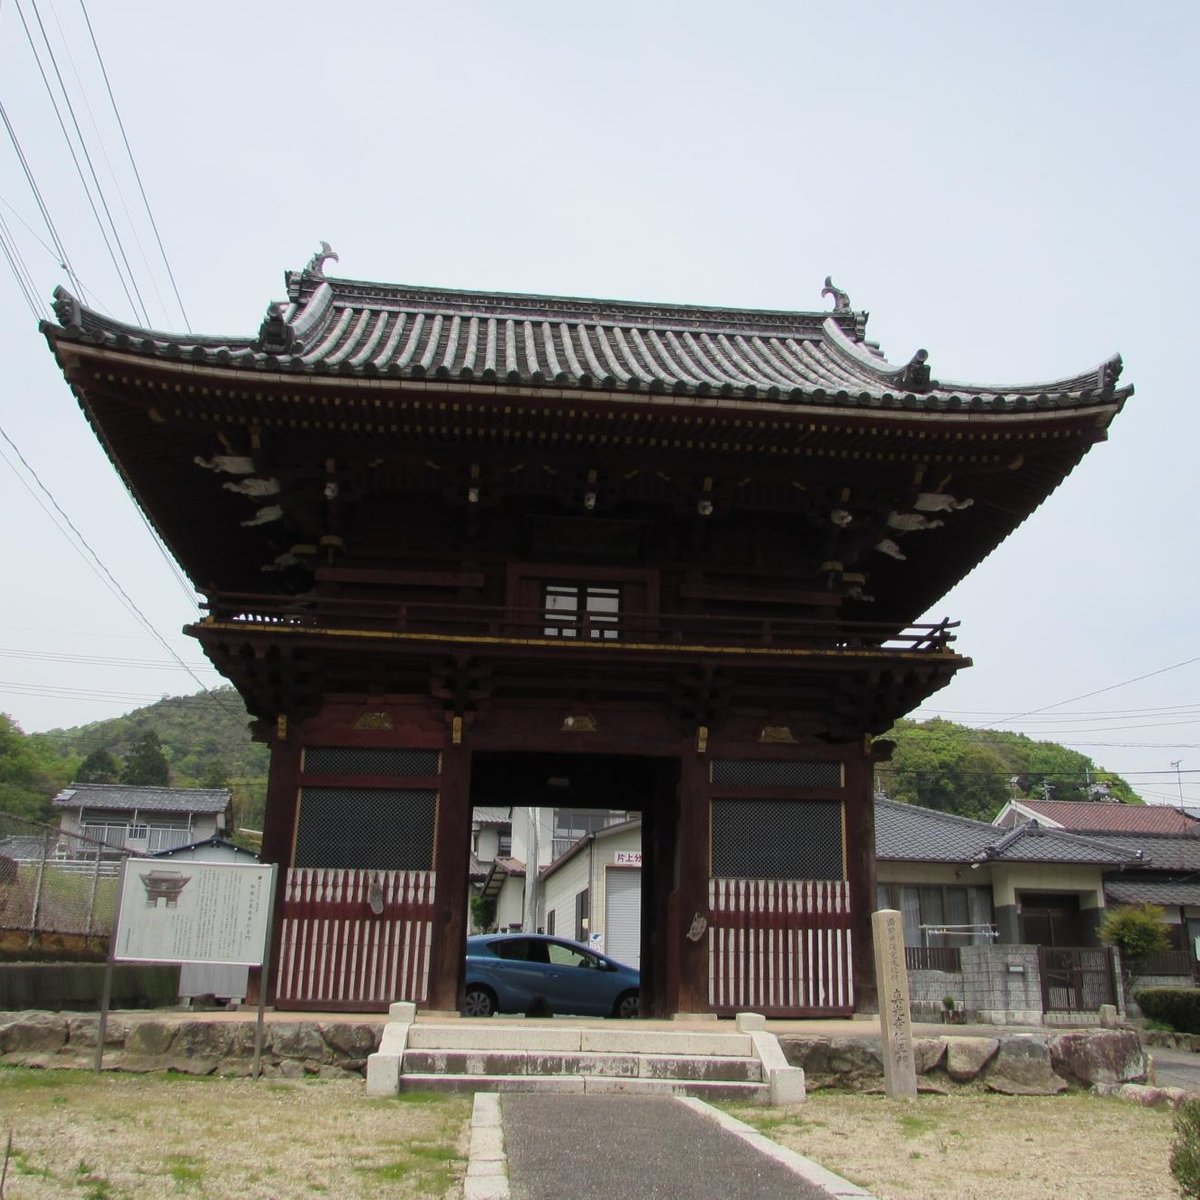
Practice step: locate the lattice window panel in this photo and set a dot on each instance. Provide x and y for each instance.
(379, 829)
(368, 760)
(777, 839)
(749, 772)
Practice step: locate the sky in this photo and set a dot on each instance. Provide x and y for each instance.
(1011, 187)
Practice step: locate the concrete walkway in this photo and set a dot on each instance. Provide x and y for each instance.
(554, 1147)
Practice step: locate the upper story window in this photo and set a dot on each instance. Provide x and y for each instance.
(571, 608)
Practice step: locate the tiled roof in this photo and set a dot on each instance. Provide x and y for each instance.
(482, 815)
(1081, 816)
(491, 339)
(1152, 891)
(907, 833)
(122, 797)
(1155, 853)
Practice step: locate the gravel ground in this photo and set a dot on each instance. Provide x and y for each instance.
(981, 1146)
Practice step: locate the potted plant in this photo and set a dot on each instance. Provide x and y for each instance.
(952, 1014)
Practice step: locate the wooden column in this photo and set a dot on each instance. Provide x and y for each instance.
(279, 828)
(690, 897)
(452, 850)
(860, 869)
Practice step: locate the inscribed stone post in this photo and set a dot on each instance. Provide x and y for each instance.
(895, 1021)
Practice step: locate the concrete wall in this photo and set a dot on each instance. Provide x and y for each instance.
(79, 987)
(1002, 984)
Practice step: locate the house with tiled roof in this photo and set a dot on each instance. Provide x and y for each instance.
(116, 817)
(1106, 816)
(952, 877)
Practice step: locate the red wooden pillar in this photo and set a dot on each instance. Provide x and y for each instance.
(860, 871)
(452, 850)
(279, 828)
(689, 900)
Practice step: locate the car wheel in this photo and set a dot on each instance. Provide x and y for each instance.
(628, 1005)
(479, 1002)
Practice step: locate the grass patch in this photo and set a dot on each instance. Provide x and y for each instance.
(185, 1170)
(428, 1167)
(17, 1079)
(912, 1125)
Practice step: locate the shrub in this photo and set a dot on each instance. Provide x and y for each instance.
(1137, 930)
(1185, 1149)
(1178, 1007)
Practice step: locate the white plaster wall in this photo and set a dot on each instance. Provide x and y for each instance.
(1085, 882)
(510, 903)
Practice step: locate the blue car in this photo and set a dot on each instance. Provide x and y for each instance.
(542, 976)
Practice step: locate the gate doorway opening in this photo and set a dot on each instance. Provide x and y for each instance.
(591, 852)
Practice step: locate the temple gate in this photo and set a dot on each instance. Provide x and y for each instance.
(454, 544)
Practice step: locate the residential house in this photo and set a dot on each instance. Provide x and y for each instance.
(593, 892)
(115, 818)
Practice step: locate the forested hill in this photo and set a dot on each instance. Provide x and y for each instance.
(204, 741)
(973, 772)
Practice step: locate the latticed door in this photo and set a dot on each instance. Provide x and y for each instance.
(779, 903)
(357, 912)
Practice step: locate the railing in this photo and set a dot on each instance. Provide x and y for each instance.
(496, 621)
(1168, 962)
(932, 958)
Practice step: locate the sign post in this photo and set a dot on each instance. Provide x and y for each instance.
(191, 912)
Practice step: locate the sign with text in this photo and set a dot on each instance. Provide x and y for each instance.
(627, 858)
(193, 912)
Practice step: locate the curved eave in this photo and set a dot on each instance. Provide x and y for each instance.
(557, 346)
(236, 376)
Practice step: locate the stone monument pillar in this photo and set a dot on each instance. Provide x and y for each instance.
(895, 1019)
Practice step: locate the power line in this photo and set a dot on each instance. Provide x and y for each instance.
(82, 541)
(125, 286)
(63, 260)
(133, 163)
(1100, 691)
(16, 264)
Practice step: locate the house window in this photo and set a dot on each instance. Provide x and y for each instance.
(582, 914)
(568, 608)
(504, 849)
(550, 920)
(934, 915)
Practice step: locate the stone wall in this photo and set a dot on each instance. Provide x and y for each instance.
(190, 1046)
(1014, 1064)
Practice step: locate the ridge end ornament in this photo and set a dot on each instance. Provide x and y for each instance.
(841, 300)
(316, 264)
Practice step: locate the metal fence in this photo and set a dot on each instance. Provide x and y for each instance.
(55, 883)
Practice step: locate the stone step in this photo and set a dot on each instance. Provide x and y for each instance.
(619, 1038)
(539, 1062)
(745, 1093)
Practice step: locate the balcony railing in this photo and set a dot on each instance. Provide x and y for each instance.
(500, 622)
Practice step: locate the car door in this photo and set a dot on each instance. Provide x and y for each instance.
(515, 970)
(577, 981)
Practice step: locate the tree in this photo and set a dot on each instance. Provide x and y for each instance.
(145, 764)
(29, 774)
(1138, 931)
(98, 767)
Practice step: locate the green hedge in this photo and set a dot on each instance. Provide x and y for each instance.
(1178, 1007)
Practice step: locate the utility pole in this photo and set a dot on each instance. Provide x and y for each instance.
(1177, 763)
(529, 916)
